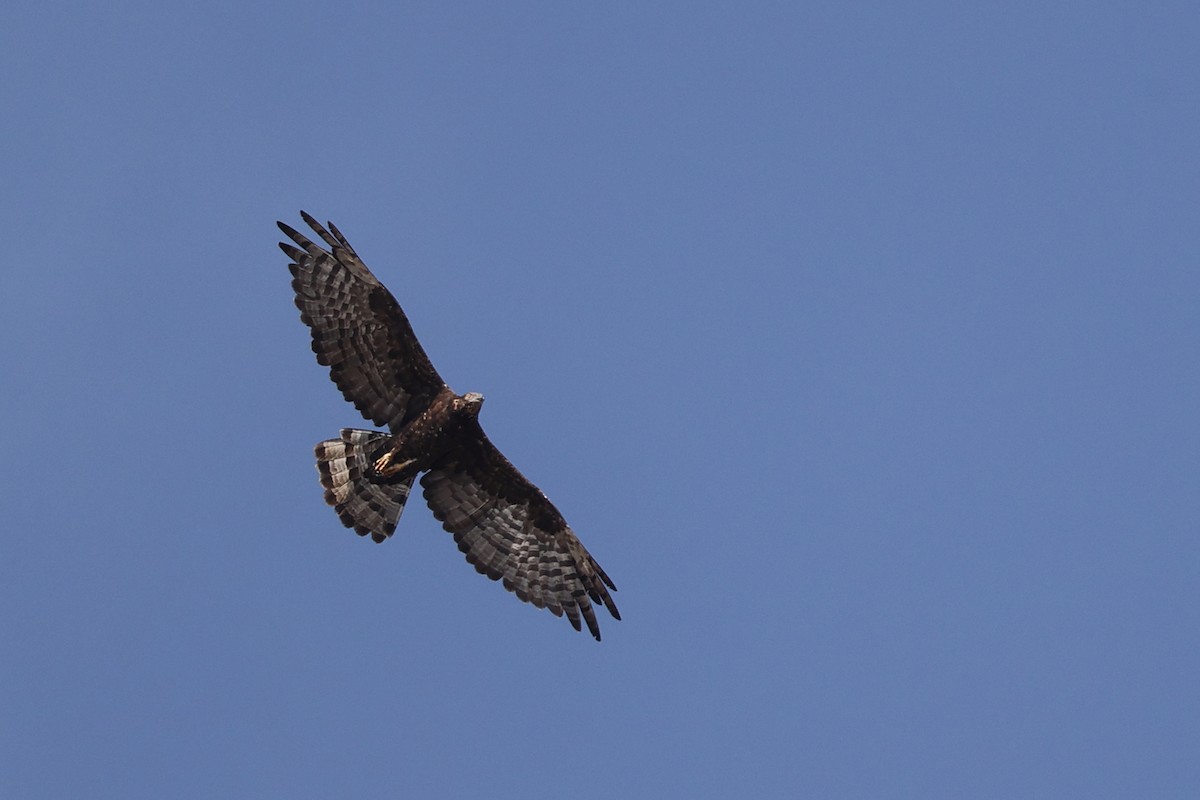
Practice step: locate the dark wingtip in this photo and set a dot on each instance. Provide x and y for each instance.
(589, 617)
(295, 235)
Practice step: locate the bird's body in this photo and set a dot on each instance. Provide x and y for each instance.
(505, 525)
(416, 447)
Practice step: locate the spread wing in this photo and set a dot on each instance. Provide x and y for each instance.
(512, 533)
(358, 329)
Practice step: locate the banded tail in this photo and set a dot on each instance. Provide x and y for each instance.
(368, 507)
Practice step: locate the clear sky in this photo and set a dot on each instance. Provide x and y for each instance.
(858, 342)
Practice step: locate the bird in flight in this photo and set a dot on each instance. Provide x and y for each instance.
(507, 528)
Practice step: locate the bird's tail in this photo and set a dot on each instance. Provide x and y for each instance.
(368, 505)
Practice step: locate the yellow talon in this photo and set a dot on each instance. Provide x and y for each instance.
(385, 468)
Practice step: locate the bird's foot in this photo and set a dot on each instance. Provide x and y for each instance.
(386, 469)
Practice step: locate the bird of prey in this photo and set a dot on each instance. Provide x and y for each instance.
(506, 526)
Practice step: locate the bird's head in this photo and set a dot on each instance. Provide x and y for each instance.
(469, 404)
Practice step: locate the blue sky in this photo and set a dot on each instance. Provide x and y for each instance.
(858, 342)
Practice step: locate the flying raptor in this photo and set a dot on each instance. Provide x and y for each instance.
(506, 526)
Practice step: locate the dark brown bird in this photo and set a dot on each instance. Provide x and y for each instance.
(506, 527)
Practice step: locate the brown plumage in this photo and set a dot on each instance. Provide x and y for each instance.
(505, 525)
